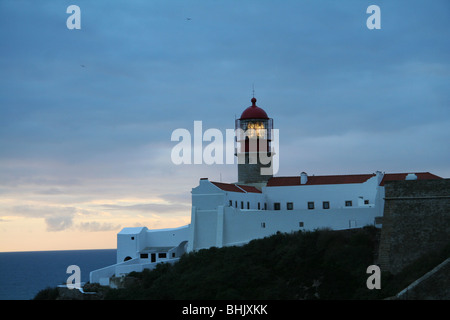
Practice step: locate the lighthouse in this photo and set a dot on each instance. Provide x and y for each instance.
(254, 153)
(258, 205)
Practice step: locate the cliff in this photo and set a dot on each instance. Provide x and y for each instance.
(315, 265)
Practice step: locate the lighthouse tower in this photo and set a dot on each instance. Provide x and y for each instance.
(254, 136)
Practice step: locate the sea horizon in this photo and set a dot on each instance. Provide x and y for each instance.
(56, 250)
(24, 273)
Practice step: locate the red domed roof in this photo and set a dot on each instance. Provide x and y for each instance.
(254, 112)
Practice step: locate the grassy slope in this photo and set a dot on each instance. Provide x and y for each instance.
(321, 264)
(304, 265)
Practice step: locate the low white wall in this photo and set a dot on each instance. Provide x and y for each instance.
(166, 237)
(125, 269)
(241, 226)
(102, 275)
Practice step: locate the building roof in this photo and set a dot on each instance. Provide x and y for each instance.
(249, 188)
(345, 179)
(235, 187)
(402, 176)
(254, 112)
(132, 230)
(319, 180)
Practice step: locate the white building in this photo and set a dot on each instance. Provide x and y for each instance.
(225, 214)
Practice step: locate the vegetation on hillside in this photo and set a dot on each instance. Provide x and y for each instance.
(321, 264)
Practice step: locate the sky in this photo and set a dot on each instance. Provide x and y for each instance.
(86, 115)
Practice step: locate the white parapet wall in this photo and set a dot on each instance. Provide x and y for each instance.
(230, 226)
(103, 276)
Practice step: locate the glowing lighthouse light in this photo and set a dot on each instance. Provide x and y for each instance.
(254, 137)
(256, 130)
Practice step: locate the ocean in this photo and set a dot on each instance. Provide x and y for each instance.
(24, 274)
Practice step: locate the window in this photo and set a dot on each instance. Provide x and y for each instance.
(290, 206)
(265, 205)
(263, 224)
(132, 238)
(144, 255)
(173, 254)
(326, 205)
(235, 204)
(348, 203)
(366, 201)
(311, 205)
(248, 205)
(276, 206)
(162, 255)
(231, 203)
(301, 224)
(259, 205)
(242, 204)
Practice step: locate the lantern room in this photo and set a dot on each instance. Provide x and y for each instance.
(255, 129)
(254, 136)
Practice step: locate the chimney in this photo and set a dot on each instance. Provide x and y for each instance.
(303, 178)
(380, 176)
(411, 176)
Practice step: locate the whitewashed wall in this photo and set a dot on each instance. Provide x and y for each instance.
(335, 194)
(229, 226)
(129, 242)
(170, 237)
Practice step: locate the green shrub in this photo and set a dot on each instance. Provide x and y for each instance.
(47, 294)
(321, 264)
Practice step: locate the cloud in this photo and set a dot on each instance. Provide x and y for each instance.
(56, 218)
(59, 218)
(59, 223)
(183, 197)
(39, 211)
(95, 226)
(345, 98)
(150, 207)
(50, 191)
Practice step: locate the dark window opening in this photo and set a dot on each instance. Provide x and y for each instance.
(144, 255)
(290, 206)
(276, 206)
(310, 205)
(348, 203)
(162, 255)
(127, 258)
(326, 205)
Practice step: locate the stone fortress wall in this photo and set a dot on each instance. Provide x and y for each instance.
(416, 221)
